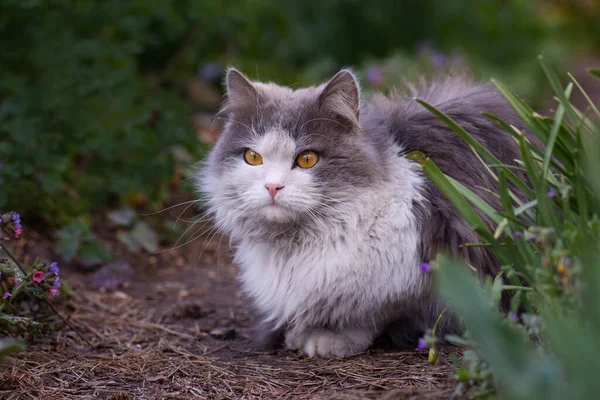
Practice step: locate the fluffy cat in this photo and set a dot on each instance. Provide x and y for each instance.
(329, 221)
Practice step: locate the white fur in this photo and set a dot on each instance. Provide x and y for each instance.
(327, 289)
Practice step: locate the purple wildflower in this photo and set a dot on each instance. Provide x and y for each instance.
(566, 261)
(374, 76)
(551, 192)
(518, 235)
(54, 268)
(56, 284)
(6, 294)
(425, 267)
(513, 316)
(422, 345)
(18, 229)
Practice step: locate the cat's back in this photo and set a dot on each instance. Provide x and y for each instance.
(414, 128)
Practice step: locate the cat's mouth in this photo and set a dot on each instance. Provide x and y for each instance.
(277, 212)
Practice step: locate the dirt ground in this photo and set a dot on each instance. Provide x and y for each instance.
(180, 330)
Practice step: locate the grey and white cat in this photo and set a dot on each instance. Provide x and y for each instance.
(329, 221)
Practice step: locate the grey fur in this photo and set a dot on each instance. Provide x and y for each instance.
(352, 143)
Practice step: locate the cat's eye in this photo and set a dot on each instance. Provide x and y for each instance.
(252, 157)
(307, 159)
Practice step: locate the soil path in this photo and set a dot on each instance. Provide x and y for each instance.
(181, 330)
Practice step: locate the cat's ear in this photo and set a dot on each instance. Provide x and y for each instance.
(341, 95)
(240, 90)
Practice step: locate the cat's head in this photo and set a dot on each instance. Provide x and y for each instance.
(287, 156)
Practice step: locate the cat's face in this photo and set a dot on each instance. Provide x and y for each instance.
(288, 156)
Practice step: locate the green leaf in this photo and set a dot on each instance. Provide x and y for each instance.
(477, 147)
(14, 320)
(67, 247)
(588, 99)
(94, 253)
(128, 240)
(558, 90)
(461, 204)
(123, 217)
(553, 134)
(145, 236)
(594, 71)
(522, 372)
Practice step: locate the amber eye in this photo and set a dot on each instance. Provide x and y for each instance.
(307, 159)
(252, 157)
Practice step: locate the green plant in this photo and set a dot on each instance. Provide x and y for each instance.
(549, 247)
(76, 240)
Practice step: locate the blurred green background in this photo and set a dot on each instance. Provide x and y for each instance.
(105, 103)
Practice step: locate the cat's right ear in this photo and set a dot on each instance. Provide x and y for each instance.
(240, 91)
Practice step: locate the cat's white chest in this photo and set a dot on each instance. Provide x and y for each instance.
(340, 275)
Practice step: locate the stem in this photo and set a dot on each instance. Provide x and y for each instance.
(438, 321)
(46, 300)
(512, 287)
(12, 258)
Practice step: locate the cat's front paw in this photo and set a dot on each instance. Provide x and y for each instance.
(325, 343)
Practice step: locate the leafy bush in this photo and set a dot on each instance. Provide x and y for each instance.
(81, 121)
(549, 247)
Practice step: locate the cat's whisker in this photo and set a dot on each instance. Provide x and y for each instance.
(191, 202)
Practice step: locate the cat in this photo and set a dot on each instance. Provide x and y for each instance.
(330, 222)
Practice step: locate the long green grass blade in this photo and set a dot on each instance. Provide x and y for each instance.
(489, 157)
(476, 200)
(461, 204)
(560, 112)
(558, 90)
(587, 98)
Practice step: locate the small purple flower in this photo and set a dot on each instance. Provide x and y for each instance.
(54, 268)
(566, 261)
(551, 193)
(439, 59)
(374, 76)
(5, 295)
(531, 238)
(513, 316)
(18, 229)
(422, 345)
(425, 268)
(518, 235)
(56, 284)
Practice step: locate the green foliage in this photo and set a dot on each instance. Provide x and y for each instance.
(76, 239)
(549, 247)
(81, 122)
(135, 234)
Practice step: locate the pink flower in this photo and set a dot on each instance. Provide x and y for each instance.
(5, 295)
(18, 233)
(52, 292)
(16, 281)
(38, 276)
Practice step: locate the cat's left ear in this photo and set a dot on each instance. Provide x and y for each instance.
(341, 96)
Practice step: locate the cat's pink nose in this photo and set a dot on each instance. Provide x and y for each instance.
(273, 188)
